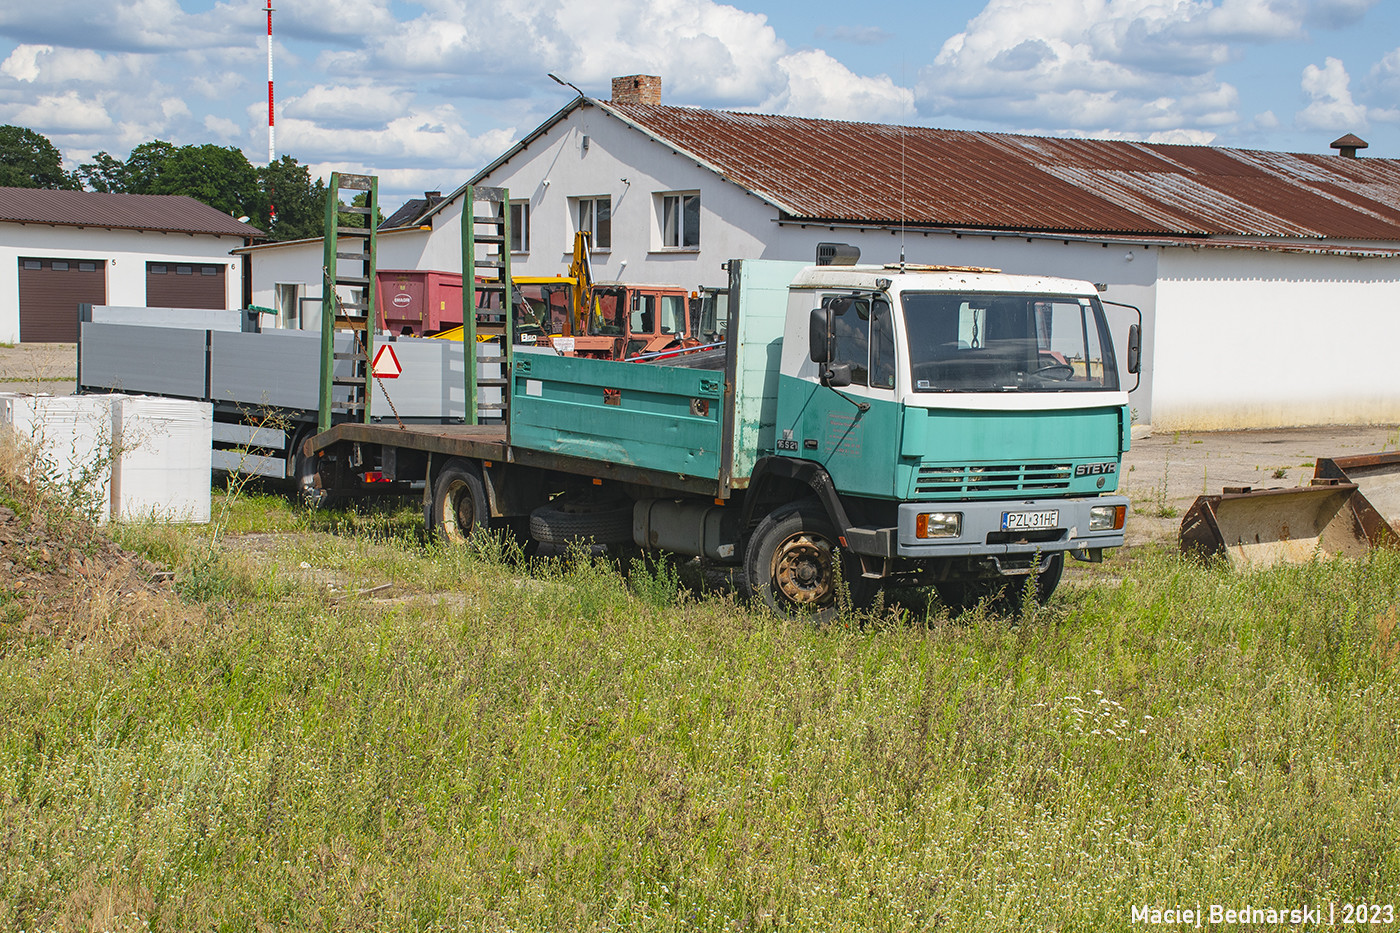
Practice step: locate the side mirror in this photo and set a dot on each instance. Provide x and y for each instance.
(837, 375)
(1134, 347)
(818, 335)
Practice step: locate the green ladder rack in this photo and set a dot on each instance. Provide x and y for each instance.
(487, 292)
(355, 246)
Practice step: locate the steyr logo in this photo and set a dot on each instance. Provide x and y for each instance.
(1096, 469)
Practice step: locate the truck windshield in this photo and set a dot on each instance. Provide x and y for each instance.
(1007, 343)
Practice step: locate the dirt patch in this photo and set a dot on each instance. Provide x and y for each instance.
(50, 368)
(73, 582)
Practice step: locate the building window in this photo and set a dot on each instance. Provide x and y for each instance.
(58, 266)
(87, 267)
(680, 221)
(594, 216)
(288, 298)
(208, 270)
(156, 269)
(184, 270)
(519, 226)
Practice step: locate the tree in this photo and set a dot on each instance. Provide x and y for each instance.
(104, 173)
(29, 160)
(300, 204)
(144, 166)
(220, 176)
(355, 219)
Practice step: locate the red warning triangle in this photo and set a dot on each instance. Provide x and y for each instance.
(386, 363)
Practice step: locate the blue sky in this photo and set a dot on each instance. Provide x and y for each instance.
(424, 93)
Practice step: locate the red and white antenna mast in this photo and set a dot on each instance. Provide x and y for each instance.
(271, 137)
(271, 119)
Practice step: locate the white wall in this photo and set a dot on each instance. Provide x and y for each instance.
(299, 263)
(125, 253)
(732, 222)
(1250, 339)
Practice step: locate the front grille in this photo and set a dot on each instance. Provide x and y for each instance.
(993, 479)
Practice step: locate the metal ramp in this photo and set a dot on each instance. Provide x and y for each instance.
(348, 301)
(486, 304)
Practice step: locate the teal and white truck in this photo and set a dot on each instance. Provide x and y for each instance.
(877, 425)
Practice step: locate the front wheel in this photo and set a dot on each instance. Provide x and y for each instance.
(791, 562)
(458, 509)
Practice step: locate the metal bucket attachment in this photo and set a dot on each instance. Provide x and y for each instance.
(1258, 528)
(1377, 502)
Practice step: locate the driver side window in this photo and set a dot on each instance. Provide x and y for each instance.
(862, 335)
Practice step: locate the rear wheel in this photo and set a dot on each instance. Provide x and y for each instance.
(303, 477)
(458, 509)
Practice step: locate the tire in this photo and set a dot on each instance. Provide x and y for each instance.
(1004, 594)
(517, 530)
(790, 564)
(551, 524)
(304, 476)
(459, 508)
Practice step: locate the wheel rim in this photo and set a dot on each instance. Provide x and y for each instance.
(802, 570)
(458, 511)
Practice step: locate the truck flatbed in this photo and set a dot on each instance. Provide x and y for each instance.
(489, 443)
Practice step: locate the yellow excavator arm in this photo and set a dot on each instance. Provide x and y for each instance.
(581, 271)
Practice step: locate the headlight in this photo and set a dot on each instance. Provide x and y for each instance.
(1107, 517)
(938, 525)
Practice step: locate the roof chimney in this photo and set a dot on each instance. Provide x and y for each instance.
(1346, 146)
(637, 89)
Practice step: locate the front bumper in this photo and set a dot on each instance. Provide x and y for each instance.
(982, 534)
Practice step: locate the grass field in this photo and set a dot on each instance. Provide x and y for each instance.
(489, 746)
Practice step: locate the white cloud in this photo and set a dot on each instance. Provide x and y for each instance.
(136, 25)
(341, 106)
(433, 137)
(1332, 107)
(23, 62)
(1143, 66)
(49, 67)
(64, 113)
(223, 129)
(817, 85)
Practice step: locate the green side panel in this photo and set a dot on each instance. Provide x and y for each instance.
(663, 418)
(982, 454)
(855, 446)
(761, 308)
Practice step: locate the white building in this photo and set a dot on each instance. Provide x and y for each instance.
(60, 249)
(1269, 282)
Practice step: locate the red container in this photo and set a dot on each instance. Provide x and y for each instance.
(418, 302)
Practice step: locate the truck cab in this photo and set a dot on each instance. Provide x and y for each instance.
(973, 422)
(628, 320)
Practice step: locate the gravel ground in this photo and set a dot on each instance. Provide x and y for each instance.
(1162, 474)
(39, 367)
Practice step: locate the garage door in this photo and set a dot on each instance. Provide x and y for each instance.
(50, 291)
(185, 285)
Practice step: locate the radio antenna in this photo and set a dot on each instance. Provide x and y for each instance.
(903, 197)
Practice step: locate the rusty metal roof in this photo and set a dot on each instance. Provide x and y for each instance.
(165, 213)
(863, 172)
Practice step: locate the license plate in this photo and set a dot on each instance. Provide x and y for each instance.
(1025, 521)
